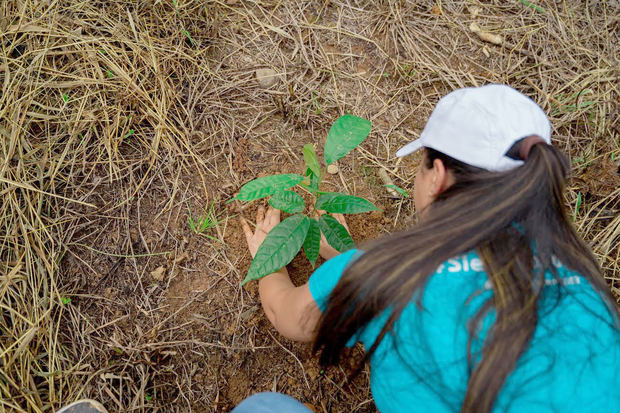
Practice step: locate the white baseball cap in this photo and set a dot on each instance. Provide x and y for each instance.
(478, 125)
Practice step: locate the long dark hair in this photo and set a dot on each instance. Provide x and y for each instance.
(497, 214)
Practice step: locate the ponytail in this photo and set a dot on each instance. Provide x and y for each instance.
(498, 214)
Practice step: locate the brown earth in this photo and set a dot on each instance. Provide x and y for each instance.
(197, 316)
(134, 112)
(196, 338)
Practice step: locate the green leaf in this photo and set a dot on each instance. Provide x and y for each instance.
(398, 189)
(287, 201)
(189, 37)
(311, 160)
(268, 185)
(311, 182)
(315, 180)
(336, 234)
(279, 247)
(577, 205)
(312, 242)
(343, 204)
(345, 134)
(533, 6)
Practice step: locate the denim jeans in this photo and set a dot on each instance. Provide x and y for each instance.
(270, 403)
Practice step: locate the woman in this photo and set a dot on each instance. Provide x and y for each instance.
(492, 302)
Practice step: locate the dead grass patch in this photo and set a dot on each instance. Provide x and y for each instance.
(114, 116)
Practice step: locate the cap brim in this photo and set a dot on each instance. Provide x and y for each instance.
(409, 148)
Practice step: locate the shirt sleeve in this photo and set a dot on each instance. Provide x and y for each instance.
(325, 278)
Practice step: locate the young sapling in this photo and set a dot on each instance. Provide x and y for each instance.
(302, 230)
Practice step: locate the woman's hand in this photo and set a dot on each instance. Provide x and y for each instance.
(264, 223)
(325, 250)
(291, 310)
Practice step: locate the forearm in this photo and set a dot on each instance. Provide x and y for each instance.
(290, 309)
(271, 288)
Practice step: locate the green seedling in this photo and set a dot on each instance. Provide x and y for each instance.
(176, 7)
(128, 134)
(577, 206)
(65, 300)
(189, 37)
(315, 103)
(109, 73)
(570, 103)
(65, 97)
(175, 4)
(204, 222)
(398, 189)
(408, 70)
(532, 6)
(581, 161)
(299, 230)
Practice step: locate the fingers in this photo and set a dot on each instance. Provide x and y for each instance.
(246, 228)
(340, 218)
(274, 216)
(260, 215)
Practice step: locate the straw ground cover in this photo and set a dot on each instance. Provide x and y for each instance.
(114, 116)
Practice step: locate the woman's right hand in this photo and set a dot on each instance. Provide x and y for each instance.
(325, 250)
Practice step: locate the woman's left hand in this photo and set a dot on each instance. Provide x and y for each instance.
(264, 223)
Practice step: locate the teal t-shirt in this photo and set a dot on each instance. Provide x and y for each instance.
(571, 365)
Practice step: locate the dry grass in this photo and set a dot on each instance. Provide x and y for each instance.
(114, 115)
